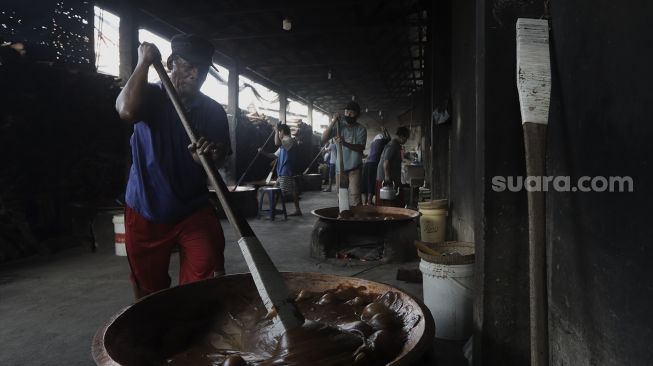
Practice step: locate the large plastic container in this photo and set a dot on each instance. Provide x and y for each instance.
(448, 288)
(433, 221)
(119, 234)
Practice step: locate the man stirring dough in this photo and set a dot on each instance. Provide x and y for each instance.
(167, 196)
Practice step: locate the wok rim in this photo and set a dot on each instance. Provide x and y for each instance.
(410, 214)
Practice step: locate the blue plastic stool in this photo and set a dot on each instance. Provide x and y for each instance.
(272, 193)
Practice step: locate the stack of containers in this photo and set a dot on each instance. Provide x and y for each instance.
(447, 272)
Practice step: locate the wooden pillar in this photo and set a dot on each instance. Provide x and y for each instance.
(128, 49)
(310, 114)
(429, 105)
(128, 44)
(232, 113)
(283, 105)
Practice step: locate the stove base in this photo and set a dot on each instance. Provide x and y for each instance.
(397, 238)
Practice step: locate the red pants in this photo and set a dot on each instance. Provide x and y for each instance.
(149, 246)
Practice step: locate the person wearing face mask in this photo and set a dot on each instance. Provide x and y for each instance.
(353, 139)
(167, 200)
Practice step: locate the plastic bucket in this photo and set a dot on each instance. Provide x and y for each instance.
(119, 234)
(433, 221)
(448, 290)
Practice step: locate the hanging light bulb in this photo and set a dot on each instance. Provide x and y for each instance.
(286, 24)
(329, 74)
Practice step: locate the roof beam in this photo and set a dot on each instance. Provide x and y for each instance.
(295, 9)
(279, 33)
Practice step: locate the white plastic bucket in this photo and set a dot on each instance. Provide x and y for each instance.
(448, 294)
(119, 234)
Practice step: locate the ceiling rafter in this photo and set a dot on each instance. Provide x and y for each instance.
(372, 49)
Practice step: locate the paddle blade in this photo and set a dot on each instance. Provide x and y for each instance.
(533, 69)
(343, 199)
(270, 285)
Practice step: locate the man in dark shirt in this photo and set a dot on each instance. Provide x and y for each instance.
(333, 157)
(167, 196)
(389, 169)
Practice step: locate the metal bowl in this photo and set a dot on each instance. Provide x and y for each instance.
(159, 324)
(243, 198)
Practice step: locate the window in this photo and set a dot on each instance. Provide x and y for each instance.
(107, 40)
(255, 98)
(297, 110)
(217, 89)
(212, 87)
(320, 121)
(161, 43)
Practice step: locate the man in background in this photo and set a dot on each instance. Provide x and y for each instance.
(333, 156)
(371, 163)
(287, 153)
(389, 169)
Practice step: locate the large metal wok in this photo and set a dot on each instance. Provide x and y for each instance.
(165, 323)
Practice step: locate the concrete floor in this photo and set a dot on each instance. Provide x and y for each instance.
(50, 307)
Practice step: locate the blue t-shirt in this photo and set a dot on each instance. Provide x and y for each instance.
(165, 183)
(287, 158)
(333, 153)
(376, 147)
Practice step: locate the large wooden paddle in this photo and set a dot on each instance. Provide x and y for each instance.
(534, 86)
(269, 283)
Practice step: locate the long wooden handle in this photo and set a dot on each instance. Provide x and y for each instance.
(269, 177)
(269, 283)
(534, 142)
(313, 162)
(341, 162)
(240, 180)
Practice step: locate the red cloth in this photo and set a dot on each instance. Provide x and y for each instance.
(149, 246)
(397, 202)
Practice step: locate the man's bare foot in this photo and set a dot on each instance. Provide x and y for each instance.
(296, 213)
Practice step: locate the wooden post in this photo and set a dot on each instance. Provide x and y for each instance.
(128, 43)
(310, 114)
(128, 49)
(232, 113)
(283, 105)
